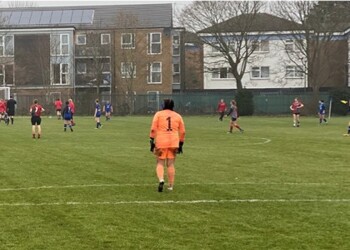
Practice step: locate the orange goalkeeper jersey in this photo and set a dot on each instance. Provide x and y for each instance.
(167, 129)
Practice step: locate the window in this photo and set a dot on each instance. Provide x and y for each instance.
(152, 101)
(64, 73)
(81, 68)
(106, 67)
(106, 78)
(293, 45)
(128, 70)
(105, 38)
(6, 74)
(176, 40)
(106, 73)
(289, 45)
(176, 73)
(261, 46)
(6, 46)
(176, 45)
(81, 39)
(2, 45)
(260, 72)
(128, 41)
(155, 72)
(294, 72)
(59, 44)
(222, 73)
(64, 44)
(154, 46)
(176, 68)
(60, 73)
(9, 74)
(152, 96)
(2, 74)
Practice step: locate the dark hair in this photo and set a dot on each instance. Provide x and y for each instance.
(168, 104)
(67, 102)
(35, 101)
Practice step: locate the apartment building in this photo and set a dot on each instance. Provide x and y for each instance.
(277, 61)
(74, 51)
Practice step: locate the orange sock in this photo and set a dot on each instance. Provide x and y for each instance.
(160, 172)
(171, 175)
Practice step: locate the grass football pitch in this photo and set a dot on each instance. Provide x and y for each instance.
(272, 187)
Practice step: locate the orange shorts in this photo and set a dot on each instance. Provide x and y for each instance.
(165, 153)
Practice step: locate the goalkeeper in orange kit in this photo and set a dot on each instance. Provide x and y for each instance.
(166, 140)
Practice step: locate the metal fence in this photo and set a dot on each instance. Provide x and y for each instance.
(185, 103)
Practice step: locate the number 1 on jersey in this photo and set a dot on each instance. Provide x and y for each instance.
(169, 124)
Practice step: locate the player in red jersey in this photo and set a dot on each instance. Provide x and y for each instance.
(58, 107)
(2, 109)
(72, 108)
(167, 138)
(233, 113)
(221, 109)
(35, 111)
(295, 108)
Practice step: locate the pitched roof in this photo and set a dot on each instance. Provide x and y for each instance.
(261, 22)
(88, 17)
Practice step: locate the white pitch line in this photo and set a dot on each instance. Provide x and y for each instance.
(180, 184)
(74, 203)
(266, 140)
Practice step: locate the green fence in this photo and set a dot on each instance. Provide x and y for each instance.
(185, 103)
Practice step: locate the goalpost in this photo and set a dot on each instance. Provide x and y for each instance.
(5, 93)
(330, 108)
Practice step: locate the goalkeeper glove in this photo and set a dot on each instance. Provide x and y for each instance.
(151, 142)
(179, 150)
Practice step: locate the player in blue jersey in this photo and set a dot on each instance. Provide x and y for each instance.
(67, 117)
(97, 114)
(322, 111)
(108, 110)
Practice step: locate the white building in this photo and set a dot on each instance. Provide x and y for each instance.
(275, 63)
(269, 67)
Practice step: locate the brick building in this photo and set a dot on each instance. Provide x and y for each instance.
(118, 50)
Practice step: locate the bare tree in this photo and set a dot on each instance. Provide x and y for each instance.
(225, 26)
(95, 55)
(313, 36)
(131, 62)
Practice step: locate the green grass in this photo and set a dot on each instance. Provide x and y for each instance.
(272, 187)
